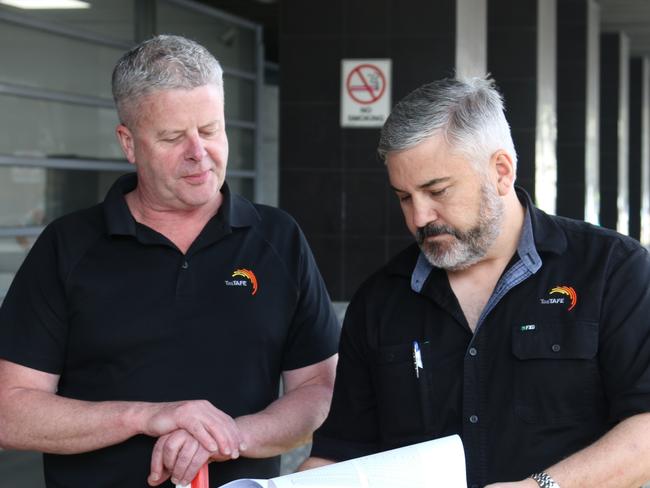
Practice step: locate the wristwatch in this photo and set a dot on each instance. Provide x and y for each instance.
(544, 480)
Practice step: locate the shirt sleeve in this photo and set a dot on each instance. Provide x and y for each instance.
(351, 428)
(314, 331)
(33, 316)
(624, 349)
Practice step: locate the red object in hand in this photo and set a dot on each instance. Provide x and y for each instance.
(202, 479)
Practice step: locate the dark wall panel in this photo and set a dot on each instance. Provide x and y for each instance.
(512, 35)
(635, 143)
(572, 18)
(610, 58)
(330, 178)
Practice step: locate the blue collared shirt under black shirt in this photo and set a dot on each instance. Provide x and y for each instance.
(561, 353)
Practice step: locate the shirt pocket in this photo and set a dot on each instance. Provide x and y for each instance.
(403, 398)
(556, 376)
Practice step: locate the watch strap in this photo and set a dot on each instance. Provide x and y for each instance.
(544, 480)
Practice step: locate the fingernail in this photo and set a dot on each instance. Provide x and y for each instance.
(213, 448)
(175, 481)
(235, 455)
(155, 476)
(243, 447)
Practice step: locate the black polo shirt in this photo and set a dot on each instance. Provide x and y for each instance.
(121, 314)
(561, 354)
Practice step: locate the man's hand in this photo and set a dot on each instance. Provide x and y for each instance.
(213, 429)
(179, 456)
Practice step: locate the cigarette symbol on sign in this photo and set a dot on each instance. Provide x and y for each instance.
(366, 84)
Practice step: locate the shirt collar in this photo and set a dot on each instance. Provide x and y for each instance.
(526, 248)
(548, 235)
(235, 210)
(240, 211)
(119, 220)
(539, 232)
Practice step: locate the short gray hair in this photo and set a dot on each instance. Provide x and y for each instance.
(164, 62)
(468, 113)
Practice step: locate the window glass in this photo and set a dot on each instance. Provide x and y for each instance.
(36, 196)
(241, 144)
(240, 98)
(243, 186)
(40, 128)
(12, 252)
(108, 18)
(39, 59)
(232, 45)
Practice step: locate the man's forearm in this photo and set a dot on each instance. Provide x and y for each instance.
(43, 421)
(287, 423)
(620, 459)
(40, 420)
(314, 462)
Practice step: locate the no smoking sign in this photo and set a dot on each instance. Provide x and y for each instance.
(365, 92)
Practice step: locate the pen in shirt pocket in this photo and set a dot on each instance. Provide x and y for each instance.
(417, 359)
(423, 383)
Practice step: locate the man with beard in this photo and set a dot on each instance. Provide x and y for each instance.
(526, 334)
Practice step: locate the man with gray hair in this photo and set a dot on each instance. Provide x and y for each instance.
(147, 335)
(525, 333)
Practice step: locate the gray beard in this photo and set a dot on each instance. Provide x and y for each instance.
(468, 247)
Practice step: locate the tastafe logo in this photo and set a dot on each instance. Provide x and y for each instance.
(249, 278)
(568, 291)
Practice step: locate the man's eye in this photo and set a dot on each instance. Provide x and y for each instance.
(172, 139)
(404, 198)
(437, 193)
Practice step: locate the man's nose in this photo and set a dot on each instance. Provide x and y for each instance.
(423, 213)
(195, 150)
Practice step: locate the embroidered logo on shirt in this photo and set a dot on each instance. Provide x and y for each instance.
(249, 278)
(568, 291)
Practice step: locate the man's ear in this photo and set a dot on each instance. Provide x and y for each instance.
(502, 164)
(125, 138)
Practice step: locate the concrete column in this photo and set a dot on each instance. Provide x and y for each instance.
(546, 127)
(471, 38)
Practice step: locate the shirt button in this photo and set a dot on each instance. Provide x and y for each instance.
(185, 265)
(473, 419)
(555, 348)
(473, 351)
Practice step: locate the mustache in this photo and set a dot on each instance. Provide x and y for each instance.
(431, 230)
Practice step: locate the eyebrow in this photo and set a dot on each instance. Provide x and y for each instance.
(426, 184)
(167, 133)
(214, 123)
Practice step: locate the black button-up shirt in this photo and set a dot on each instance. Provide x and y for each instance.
(561, 353)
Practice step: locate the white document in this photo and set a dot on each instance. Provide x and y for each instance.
(431, 464)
